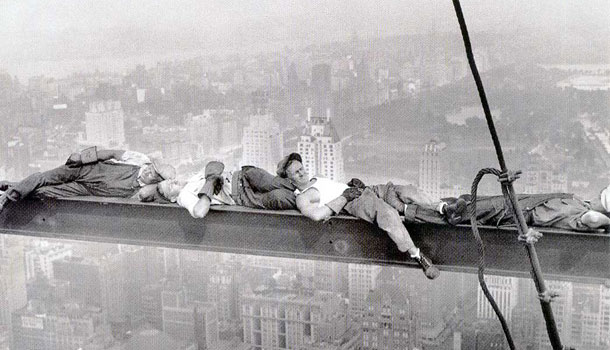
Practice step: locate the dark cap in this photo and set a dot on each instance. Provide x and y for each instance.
(285, 162)
(214, 168)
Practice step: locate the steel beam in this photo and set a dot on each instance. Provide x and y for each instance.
(563, 254)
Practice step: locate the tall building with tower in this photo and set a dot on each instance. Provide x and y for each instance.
(262, 142)
(321, 147)
(104, 124)
(430, 170)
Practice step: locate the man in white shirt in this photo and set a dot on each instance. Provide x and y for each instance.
(319, 198)
(251, 187)
(212, 186)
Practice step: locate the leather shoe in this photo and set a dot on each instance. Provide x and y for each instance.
(427, 266)
(4, 185)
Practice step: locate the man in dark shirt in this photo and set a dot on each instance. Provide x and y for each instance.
(557, 210)
(105, 173)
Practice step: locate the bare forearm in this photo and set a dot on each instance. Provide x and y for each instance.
(202, 207)
(324, 212)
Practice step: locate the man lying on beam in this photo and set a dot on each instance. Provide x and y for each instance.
(319, 198)
(92, 172)
(558, 210)
(250, 187)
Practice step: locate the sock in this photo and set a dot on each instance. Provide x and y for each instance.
(441, 207)
(416, 255)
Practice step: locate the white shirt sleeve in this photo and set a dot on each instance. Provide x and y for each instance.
(188, 200)
(189, 195)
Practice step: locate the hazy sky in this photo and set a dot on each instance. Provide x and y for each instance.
(34, 30)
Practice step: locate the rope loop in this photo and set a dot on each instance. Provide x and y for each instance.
(481, 268)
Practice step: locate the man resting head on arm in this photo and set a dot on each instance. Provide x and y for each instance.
(319, 198)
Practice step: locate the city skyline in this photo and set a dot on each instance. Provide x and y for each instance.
(376, 91)
(281, 302)
(99, 37)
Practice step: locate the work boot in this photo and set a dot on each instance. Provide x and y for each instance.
(426, 264)
(4, 185)
(456, 212)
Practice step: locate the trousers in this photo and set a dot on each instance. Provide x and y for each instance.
(256, 188)
(372, 207)
(99, 179)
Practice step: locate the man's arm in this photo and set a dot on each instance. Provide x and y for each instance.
(92, 155)
(108, 154)
(198, 207)
(307, 203)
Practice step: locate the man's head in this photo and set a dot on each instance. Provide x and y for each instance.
(604, 201)
(291, 167)
(157, 172)
(595, 220)
(170, 189)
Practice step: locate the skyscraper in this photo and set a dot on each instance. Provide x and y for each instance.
(505, 292)
(321, 147)
(362, 279)
(429, 169)
(104, 124)
(321, 93)
(152, 309)
(37, 327)
(262, 142)
(331, 276)
(213, 131)
(13, 294)
(287, 319)
(99, 282)
(40, 255)
(223, 290)
(542, 181)
(190, 321)
(389, 321)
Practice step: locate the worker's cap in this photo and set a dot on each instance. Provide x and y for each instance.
(165, 171)
(214, 168)
(604, 198)
(285, 163)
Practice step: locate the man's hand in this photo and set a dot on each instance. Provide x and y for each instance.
(87, 156)
(351, 193)
(147, 193)
(213, 185)
(74, 160)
